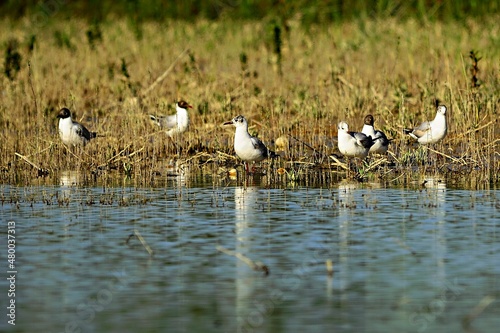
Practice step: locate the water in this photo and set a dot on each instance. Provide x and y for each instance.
(404, 259)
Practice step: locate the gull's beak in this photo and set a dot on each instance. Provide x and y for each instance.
(228, 122)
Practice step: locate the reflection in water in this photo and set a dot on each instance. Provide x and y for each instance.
(348, 195)
(178, 173)
(244, 199)
(68, 180)
(396, 253)
(346, 204)
(436, 192)
(361, 228)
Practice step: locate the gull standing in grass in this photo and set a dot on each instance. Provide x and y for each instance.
(71, 132)
(430, 132)
(380, 141)
(248, 148)
(176, 123)
(353, 144)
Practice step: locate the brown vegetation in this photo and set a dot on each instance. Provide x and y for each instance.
(294, 85)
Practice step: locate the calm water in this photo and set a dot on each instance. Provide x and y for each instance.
(404, 259)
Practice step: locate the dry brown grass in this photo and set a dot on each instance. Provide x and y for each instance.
(392, 69)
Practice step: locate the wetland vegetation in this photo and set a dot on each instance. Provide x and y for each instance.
(292, 79)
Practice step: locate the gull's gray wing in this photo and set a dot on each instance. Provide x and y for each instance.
(164, 121)
(82, 131)
(381, 137)
(257, 144)
(422, 128)
(362, 139)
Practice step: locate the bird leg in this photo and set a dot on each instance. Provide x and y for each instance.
(249, 171)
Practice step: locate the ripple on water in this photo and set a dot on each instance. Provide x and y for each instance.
(394, 251)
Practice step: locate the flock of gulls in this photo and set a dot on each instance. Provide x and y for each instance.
(251, 149)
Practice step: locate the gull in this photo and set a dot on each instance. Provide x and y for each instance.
(430, 132)
(71, 132)
(380, 141)
(248, 148)
(353, 144)
(176, 123)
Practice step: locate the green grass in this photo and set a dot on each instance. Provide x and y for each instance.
(392, 68)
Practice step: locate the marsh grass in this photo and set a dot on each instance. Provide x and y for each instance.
(295, 84)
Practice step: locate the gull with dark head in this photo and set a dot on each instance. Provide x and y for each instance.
(430, 131)
(176, 123)
(380, 141)
(248, 148)
(353, 144)
(71, 132)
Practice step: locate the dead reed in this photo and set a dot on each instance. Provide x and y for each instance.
(291, 84)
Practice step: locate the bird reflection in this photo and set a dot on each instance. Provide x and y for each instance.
(68, 179)
(347, 201)
(178, 173)
(436, 192)
(245, 213)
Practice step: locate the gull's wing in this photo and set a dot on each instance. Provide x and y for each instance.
(164, 121)
(82, 131)
(362, 139)
(421, 129)
(381, 137)
(257, 144)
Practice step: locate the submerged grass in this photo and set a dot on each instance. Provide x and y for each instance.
(293, 85)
